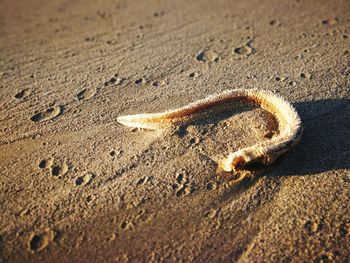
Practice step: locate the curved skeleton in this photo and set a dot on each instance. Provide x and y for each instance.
(265, 152)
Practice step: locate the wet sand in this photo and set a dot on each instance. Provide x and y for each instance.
(77, 186)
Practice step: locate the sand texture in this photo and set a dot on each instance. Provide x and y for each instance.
(76, 186)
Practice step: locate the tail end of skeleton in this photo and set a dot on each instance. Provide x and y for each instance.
(140, 121)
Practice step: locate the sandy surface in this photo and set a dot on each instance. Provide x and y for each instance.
(76, 185)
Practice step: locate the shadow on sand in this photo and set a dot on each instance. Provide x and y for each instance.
(325, 144)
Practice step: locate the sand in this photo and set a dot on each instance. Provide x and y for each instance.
(77, 186)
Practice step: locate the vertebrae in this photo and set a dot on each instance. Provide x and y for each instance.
(265, 152)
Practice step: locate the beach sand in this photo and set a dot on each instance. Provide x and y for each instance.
(76, 186)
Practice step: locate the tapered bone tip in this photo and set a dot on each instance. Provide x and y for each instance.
(123, 120)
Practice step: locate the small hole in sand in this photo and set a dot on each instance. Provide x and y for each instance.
(139, 81)
(49, 110)
(20, 94)
(55, 170)
(155, 84)
(42, 164)
(37, 117)
(210, 186)
(79, 181)
(35, 243)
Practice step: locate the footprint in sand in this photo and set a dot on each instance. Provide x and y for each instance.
(132, 222)
(46, 163)
(312, 226)
(47, 114)
(206, 56)
(55, 169)
(182, 185)
(246, 49)
(330, 22)
(127, 225)
(39, 242)
(211, 213)
(86, 94)
(84, 179)
(211, 186)
(22, 94)
(193, 75)
(114, 80)
(59, 170)
(141, 81)
(144, 180)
